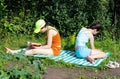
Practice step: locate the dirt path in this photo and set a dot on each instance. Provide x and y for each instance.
(81, 73)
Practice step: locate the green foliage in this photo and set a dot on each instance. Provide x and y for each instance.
(109, 45)
(3, 9)
(4, 75)
(16, 25)
(18, 17)
(62, 16)
(111, 77)
(67, 16)
(69, 42)
(82, 76)
(19, 66)
(38, 65)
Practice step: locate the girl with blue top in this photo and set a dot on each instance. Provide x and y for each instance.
(84, 35)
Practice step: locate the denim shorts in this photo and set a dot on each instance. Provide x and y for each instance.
(83, 52)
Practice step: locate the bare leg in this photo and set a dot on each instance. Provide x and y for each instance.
(7, 50)
(96, 54)
(47, 52)
(28, 52)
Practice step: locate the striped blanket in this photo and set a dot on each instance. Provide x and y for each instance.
(69, 56)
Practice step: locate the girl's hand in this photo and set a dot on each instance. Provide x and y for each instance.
(33, 45)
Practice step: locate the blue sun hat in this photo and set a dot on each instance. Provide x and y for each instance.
(38, 25)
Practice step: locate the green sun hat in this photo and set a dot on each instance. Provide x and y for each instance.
(38, 25)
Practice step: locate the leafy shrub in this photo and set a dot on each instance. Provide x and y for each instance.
(3, 10)
(69, 42)
(19, 66)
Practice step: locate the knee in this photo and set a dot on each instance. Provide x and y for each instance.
(104, 55)
(29, 52)
(99, 51)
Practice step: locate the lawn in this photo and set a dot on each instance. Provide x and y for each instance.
(19, 66)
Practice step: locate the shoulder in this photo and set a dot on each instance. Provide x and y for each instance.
(52, 30)
(83, 28)
(90, 35)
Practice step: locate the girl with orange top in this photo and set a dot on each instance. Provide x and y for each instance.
(53, 42)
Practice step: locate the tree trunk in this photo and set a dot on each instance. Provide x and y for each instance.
(115, 15)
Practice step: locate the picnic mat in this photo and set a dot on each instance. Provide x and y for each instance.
(69, 56)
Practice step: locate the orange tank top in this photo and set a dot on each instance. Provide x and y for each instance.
(56, 44)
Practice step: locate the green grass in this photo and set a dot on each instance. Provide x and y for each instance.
(17, 42)
(19, 66)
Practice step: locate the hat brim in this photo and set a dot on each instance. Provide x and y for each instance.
(37, 30)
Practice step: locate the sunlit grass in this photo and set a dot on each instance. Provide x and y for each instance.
(18, 42)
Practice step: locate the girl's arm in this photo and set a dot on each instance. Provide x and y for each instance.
(49, 40)
(91, 41)
(35, 44)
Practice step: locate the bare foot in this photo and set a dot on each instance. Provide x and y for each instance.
(7, 50)
(90, 59)
(28, 43)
